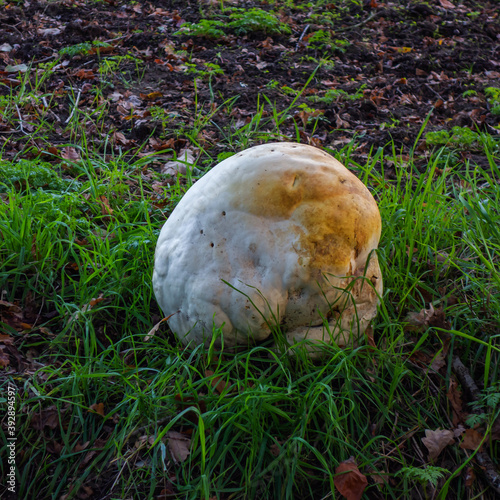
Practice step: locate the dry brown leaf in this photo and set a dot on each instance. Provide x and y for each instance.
(80, 447)
(436, 441)
(119, 138)
(438, 362)
(446, 4)
(184, 159)
(349, 480)
(85, 74)
(97, 408)
(6, 339)
(178, 445)
(217, 382)
(4, 359)
(151, 96)
(54, 447)
(96, 446)
(49, 31)
(471, 440)
(421, 318)
(381, 478)
(341, 124)
(275, 449)
(153, 330)
(470, 477)
(46, 418)
(105, 206)
(86, 307)
(455, 398)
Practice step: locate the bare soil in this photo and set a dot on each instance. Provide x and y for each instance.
(396, 63)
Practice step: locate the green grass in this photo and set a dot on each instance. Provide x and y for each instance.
(77, 241)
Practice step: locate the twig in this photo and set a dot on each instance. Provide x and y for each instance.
(465, 379)
(20, 120)
(472, 391)
(139, 430)
(367, 20)
(433, 91)
(301, 37)
(45, 59)
(117, 38)
(75, 106)
(489, 469)
(404, 439)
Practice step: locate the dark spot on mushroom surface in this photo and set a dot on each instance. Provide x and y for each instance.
(211, 244)
(223, 213)
(201, 231)
(342, 181)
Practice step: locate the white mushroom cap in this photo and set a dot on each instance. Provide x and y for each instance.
(278, 234)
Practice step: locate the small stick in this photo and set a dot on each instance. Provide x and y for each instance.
(488, 467)
(301, 37)
(465, 379)
(489, 470)
(75, 106)
(367, 20)
(20, 120)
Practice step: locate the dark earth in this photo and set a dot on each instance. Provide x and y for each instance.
(387, 67)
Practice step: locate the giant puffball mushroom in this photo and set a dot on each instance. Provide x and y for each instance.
(279, 234)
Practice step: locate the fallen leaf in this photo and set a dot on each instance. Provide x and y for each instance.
(4, 359)
(70, 153)
(446, 4)
(151, 96)
(105, 210)
(45, 418)
(6, 339)
(275, 449)
(14, 69)
(470, 477)
(421, 318)
(438, 362)
(49, 31)
(178, 445)
(349, 480)
(341, 124)
(381, 478)
(185, 402)
(436, 441)
(96, 446)
(97, 408)
(80, 447)
(119, 138)
(184, 159)
(86, 307)
(153, 330)
(85, 74)
(54, 447)
(455, 398)
(471, 440)
(217, 382)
